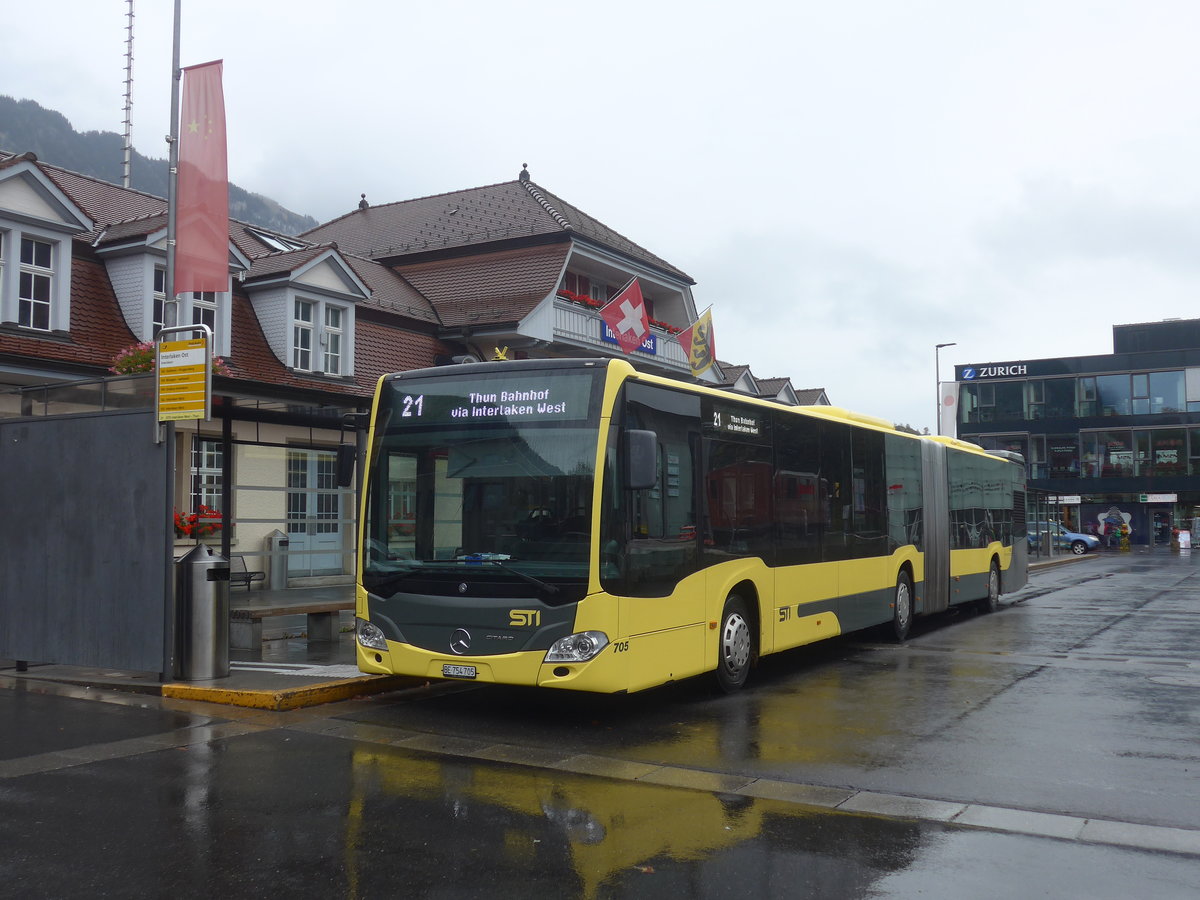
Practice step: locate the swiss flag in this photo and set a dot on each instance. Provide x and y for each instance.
(625, 315)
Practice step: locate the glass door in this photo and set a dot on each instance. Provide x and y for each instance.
(314, 514)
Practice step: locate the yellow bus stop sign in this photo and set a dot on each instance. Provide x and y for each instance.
(184, 384)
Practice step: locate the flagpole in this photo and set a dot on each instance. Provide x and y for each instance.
(173, 159)
(165, 431)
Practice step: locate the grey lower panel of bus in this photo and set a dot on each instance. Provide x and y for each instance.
(859, 611)
(441, 623)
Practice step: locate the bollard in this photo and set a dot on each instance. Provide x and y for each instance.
(277, 559)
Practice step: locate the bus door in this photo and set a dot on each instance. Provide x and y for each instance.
(655, 538)
(934, 594)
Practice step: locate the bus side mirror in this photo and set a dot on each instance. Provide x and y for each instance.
(641, 459)
(345, 464)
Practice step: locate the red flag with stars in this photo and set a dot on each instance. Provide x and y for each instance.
(626, 317)
(202, 193)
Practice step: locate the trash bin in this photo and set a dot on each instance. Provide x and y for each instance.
(201, 615)
(277, 553)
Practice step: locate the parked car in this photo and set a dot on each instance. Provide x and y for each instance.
(1077, 543)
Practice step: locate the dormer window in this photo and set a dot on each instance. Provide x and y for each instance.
(37, 222)
(36, 284)
(318, 329)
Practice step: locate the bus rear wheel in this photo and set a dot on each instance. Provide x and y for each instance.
(902, 608)
(735, 645)
(991, 602)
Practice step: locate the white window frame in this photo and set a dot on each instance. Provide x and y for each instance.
(331, 339)
(35, 271)
(315, 345)
(207, 471)
(303, 331)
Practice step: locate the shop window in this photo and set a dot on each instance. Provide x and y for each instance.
(1062, 456)
(1168, 452)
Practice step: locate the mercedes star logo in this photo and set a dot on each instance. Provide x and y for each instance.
(460, 641)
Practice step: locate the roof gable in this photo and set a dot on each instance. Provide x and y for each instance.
(27, 194)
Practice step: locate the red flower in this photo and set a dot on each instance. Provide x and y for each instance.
(193, 525)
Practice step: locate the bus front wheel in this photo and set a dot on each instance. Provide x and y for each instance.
(735, 645)
(902, 608)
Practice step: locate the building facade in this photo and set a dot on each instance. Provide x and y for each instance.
(1115, 437)
(306, 327)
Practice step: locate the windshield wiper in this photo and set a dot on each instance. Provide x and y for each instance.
(544, 585)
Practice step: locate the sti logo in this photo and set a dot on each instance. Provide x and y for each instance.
(968, 374)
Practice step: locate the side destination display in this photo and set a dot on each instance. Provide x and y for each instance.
(490, 399)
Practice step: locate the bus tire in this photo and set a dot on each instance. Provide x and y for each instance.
(991, 602)
(902, 607)
(735, 645)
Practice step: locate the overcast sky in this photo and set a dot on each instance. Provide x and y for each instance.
(849, 183)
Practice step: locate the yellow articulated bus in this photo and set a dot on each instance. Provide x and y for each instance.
(577, 524)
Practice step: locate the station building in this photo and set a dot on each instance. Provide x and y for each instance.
(1113, 438)
(306, 327)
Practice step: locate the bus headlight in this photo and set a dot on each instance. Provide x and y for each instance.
(577, 647)
(369, 635)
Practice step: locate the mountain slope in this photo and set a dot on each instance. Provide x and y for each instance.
(26, 125)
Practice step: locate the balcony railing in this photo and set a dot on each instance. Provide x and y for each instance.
(583, 326)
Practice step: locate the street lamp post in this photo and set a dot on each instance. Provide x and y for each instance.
(937, 383)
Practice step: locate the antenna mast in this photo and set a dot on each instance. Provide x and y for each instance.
(128, 94)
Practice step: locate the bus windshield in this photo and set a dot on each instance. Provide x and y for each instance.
(489, 473)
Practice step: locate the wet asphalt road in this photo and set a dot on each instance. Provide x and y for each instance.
(1080, 698)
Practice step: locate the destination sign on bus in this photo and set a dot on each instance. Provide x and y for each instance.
(493, 398)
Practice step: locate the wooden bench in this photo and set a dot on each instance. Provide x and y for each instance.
(245, 622)
(239, 574)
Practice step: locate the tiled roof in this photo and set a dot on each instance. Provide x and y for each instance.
(491, 287)
(282, 261)
(383, 349)
(732, 373)
(105, 203)
(390, 292)
(772, 386)
(583, 224)
(811, 396)
(122, 231)
(457, 219)
(471, 218)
